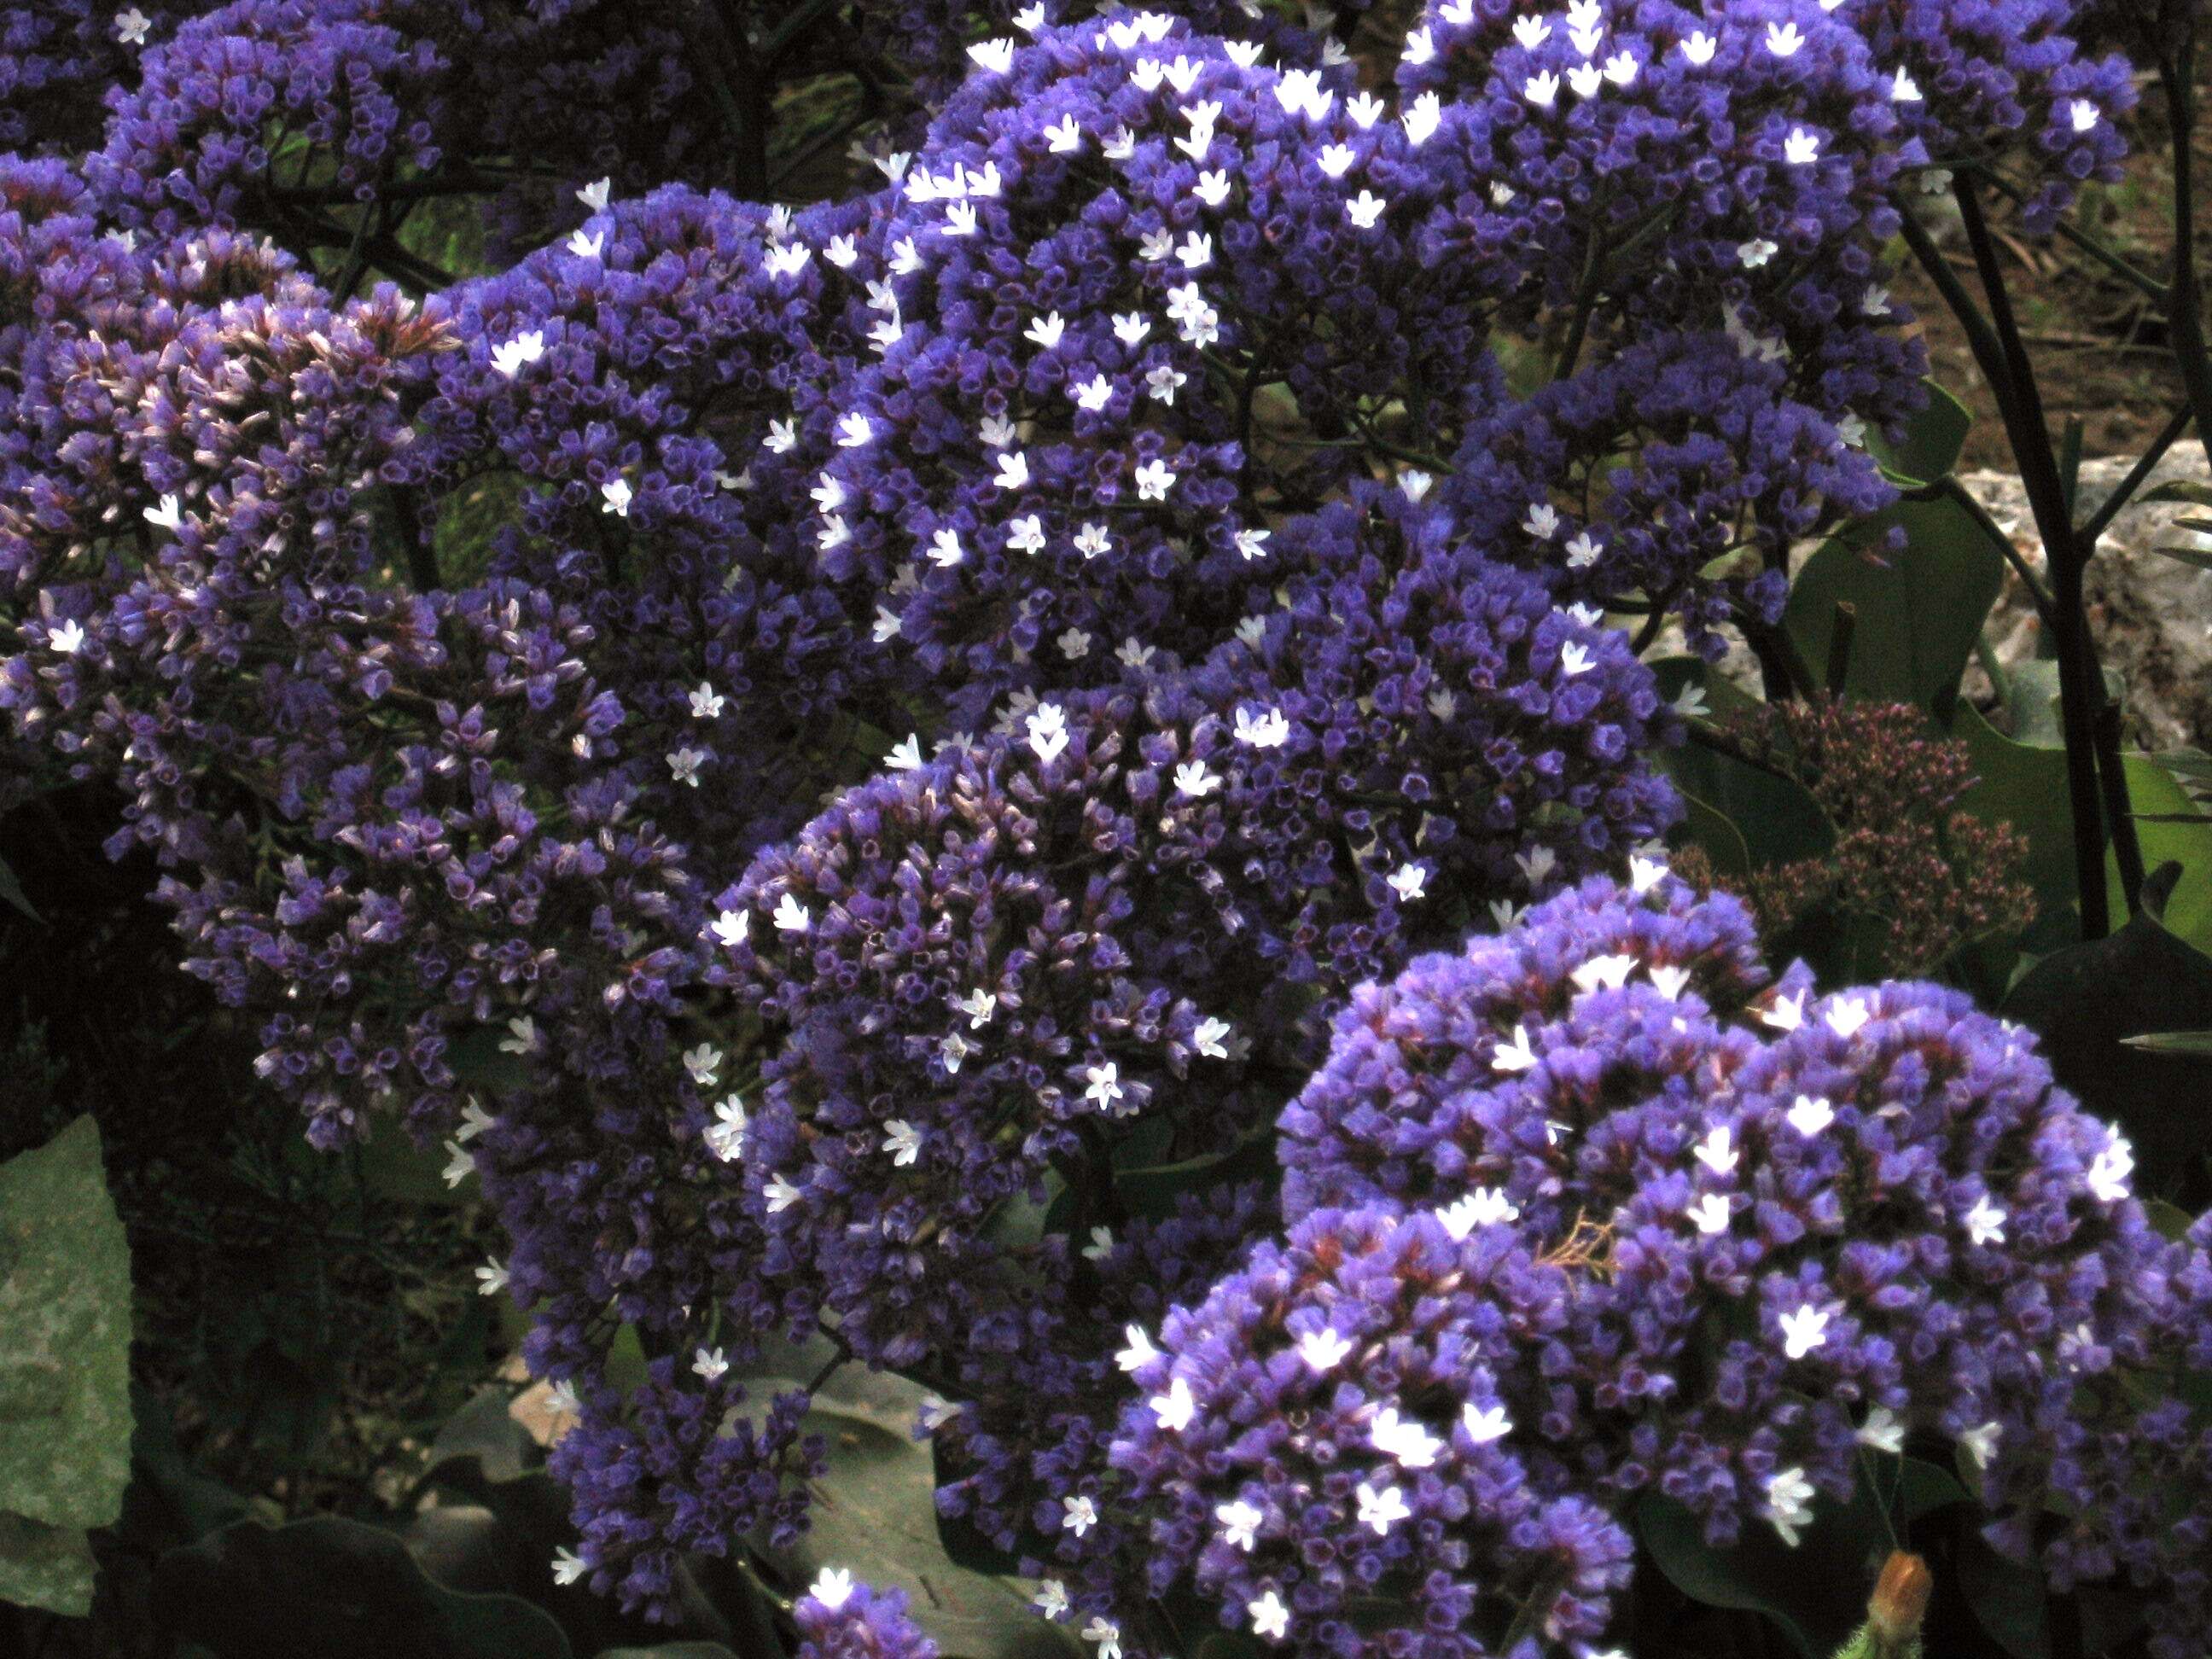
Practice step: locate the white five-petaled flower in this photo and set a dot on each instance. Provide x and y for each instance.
(492, 1278)
(587, 244)
(1051, 1599)
(1026, 534)
(944, 550)
(1380, 1511)
(2083, 114)
(1323, 1350)
(1139, 1352)
(684, 765)
(1421, 120)
(1669, 980)
(460, 1165)
(616, 496)
(568, 1566)
(993, 56)
(781, 1195)
(1542, 521)
(702, 1063)
(1210, 1037)
(1582, 550)
(1586, 79)
(705, 703)
(1174, 1409)
(1131, 327)
(725, 1135)
(521, 1037)
(131, 26)
(1698, 47)
(1575, 658)
(979, 1005)
(1485, 1207)
(1270, 731)
(905, 756)
(1783, 39)
(1154, 478)
(1251, 545)
(1531, 31)
(1193, 779)
(1881, 1431)
(787, 260)
(1365, 210)
(1985, 1222)
(1801, 148)
(1408, 882)
(1045, 331)
(791, 915)
(1755, 252)
(66, 638)
(2109, 1171)
(1515, 1054)
(1620, 68)
(1644, 874)
(1484, 1423)
(1270, 1618)
(1785, 1014)
(1064, 138)
(527, 348)
(1048, 730)
(711, 1364)
(1717, 1150)
(1711, 1214)
(1336, 160)
(1847, 1016)
(832, 1587)
(1403, 1440)
(1607, 973)
(888, 624)
(781, 435)
(1104, 1085)
(1981, 1443)
(1079, 1514)
(1810, 1114)
(1211, 190)
(1541, 90)
(167, 515)
(853, 430)
(1162, 380)
(1094, 394)
(903, 1141)
(1107, 1634)
(1903, 88)
(1803, 1331)
(1788, 1503)
(1091, 540)
(1240, 1524)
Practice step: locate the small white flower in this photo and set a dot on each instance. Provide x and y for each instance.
(1485, 1424)
(1783, 39)
(1981, 1443)
(1934, 181)
(1408, 882)
(1789, 1494)
(787, 260)
(1847, 1016)
(832, 1587)
(1755, 252)
(1420, 46)
(791, 915)
(2083, 114)
(568, 1567)
(1366, 110)
(1336, 160)
(1107, 1634)
(1881, 1431)
(1402, 1440)
(905, 757)
(1620, 68)
(711, 1364)
(168, 515)
(1026, 534)
(2109, 1173)
(1607, 973)
(1698, 48)
(1531, 31)
(1541, 90)
(1585, 80)
(1174, 1409)
(781, 435)
(1801, 148)
(1210, 1037)
(1985, 1222)
(702, 1063)
(1542, 521)
(1536, 865)
(1094, 393)
(1422, 119)
(1515, 1055)
(1644, 874)
(1811, 1114)
(509, 359)
(781, 1195)
(1786, 1014)
(1323, 1349)
(521, 1037)
(1804, 1331)
(1710, 1213)
(561, 1399)
(725, 1136)
(853, 430)
(587, 244)
(1051, 1599)
(1903, 89)
(1131, 328)
(993, 56)
(66, 638)
(1716, 1152)
(131, 26)
(461, 1165)
(843, 251)
(1574, 659)
(1270, 1618)
(888, 625)
(492, 1278)
(1669, 980)
(1133, 653)
(1365, 210)
(1852, 430)
(1251, 545)
(1091, 540)
(1193, 779)
(684, 765)
(1045, 331)
(1048, 731)
(1162, 382)
(1139, 1352)
(1079, 1514)
(1064, 138)
(1271, 731)
(1121, 144)
(1240, 1524)
(1030, 19)
(1212, 191)
(1154, 478)
(903, 1141)
(979, 1005)
(1379, 1511)
(1485, 1207)
(1585, 37)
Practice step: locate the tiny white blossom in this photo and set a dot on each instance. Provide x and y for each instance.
(1212, 191)
(1608, 972)
(1270, 731)
(1574, 659)
(725, 1136)
(1207, 1038)
(1981, 1443)
(168, 515)
(1026, 534)
(1847, 1016)
(1408, 882)
(702, 1063)
(993, 56)
(979, 1005)
(1620, 68)
(1698, 48)
(66, 638)
(1710, 1213)
(791, 915)
(1154, 478)
(2109, 1172)
(1104, 1085)
(568, 1566)
(1323, 1349)
(522, 1037)
(1193, 779)
(684, 765)
(832, 1587)
(1903, 88)
(1130, 328)
(1541, 90)
(1801, 148)
(1240, 1523)
(1030, 19)
(1422, 119)
(903, 1141)
(944, 550)
(1485, 1424)
(1810, 1114)
(1270, 1618)
(1755, 252)
(1174, 1409)
(1251, 545)
(1402, 1440)
(1366, 110)
(888, 624)
(1051, 1599)
(1064, 138)
(1515, 1055)
(781, 435)
(1139, 1352)
(1786, 1014)
(1485, 1207)
(1079, 1514)
(1336, 160)
(1586, 80)
(1047, 732)
(587, 244)
(1542, 521)
(1163, 381)
(1091, 540)
(1365, 210)
(711, 1364)
(843, 251)
(1093, 394)
(131, 26)
(509, 358)
(787, 260)
(461, 1165)
(1783, 39)
(1789, 1495)
(1045, 330)
(781, 1195)
(1881, 1431)
(1804, 1331)
(853, 430)
(905, 757)
(492, 1278)
(1717, 1151)
(1379, 1511)
(1107, 1634)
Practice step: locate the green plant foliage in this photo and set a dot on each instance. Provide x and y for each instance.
(65, 1367)
(1932, 441)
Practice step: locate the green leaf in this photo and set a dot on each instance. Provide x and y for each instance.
(2026, 787)
(340, 1590)
(2199, 557)
(64, 1343)
(49, 1567)
(2173, 830)
(2171, 1042)
(1918, 611)
(1722, 841)
(1933, 439)
(11, 891)
(874, 1512)
(2181, 489)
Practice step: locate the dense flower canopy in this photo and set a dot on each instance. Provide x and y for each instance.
(1030, 760)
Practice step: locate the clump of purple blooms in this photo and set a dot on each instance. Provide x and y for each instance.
(1025, 762)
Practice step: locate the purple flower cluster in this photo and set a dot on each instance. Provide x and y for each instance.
(839, 1619)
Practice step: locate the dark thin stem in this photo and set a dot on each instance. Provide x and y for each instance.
(2080, 681)
(1948, 488)
(2185, 311)
(1840, 647)
(1782, 666)
(2111, 773)
(2142, 281)
(2096, 524)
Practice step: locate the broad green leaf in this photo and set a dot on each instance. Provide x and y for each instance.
(2026, 787)
(1722, 841)
(12, 892)
(2171, 1042)
(1932, 441)
(2181, 489)
(2173, 829)
(1918, 610)
(339, 1590)
(48, 1567)
(65, 1336)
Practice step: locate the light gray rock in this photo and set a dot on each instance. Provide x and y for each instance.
(2151, 615)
